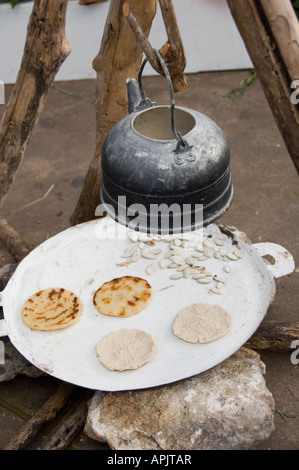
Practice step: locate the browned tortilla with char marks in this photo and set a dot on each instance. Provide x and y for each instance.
(123, 296)
(52, 309)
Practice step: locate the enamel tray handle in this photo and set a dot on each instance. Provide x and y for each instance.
(3, 324)
(284, 262)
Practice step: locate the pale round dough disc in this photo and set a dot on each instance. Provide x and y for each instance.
(123, 296)
(202, 323)
(125, 349)
(52, 309)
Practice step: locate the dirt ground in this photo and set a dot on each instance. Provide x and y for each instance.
(265, 207)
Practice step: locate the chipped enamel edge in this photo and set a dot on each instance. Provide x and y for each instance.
(284, 261)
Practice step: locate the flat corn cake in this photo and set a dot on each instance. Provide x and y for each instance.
(125, 349)
(52, 309)
(202, 323)
(123, 296)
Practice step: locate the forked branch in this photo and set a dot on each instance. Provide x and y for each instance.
(173, 50)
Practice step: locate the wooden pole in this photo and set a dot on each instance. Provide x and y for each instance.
(270, 31)
(45, 414)
(45, 50)
(172, 52)
(71, 423)
(13, 241)
(274, 336)
(285, 29)
(119, 58)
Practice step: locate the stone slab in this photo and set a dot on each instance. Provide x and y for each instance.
(225, 408)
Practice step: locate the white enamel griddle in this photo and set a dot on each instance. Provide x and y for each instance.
(83, 257)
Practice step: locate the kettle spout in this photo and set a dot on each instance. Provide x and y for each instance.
(137, 101)
(134, 95)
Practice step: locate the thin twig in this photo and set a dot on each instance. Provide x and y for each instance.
(294, 395)
(281, 414)
(41, 198)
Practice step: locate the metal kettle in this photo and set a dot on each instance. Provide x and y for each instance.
(165, 169)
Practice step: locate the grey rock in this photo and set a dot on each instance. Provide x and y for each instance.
(5, 274)
(13, 363)
(225, 408)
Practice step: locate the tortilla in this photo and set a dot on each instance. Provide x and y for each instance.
(123, 296)
(52, 309)
(202, 323)
(125, 349)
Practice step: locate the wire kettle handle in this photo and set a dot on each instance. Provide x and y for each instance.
(181, 142)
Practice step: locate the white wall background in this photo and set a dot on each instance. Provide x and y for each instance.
(210, 37)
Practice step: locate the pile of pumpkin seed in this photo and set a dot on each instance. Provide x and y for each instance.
(182, 257)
